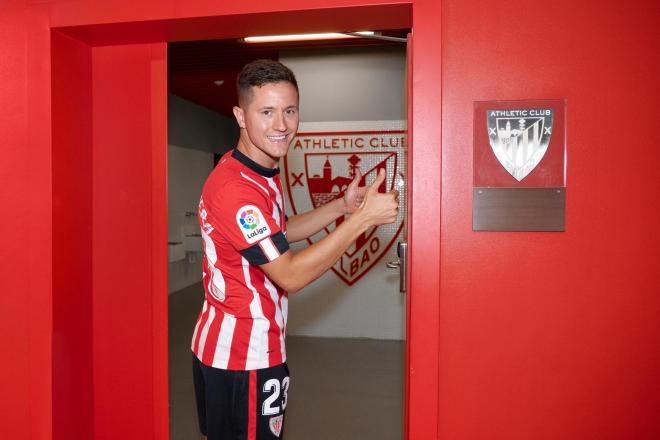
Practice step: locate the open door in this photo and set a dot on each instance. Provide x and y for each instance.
(401, 264)
(403, 245)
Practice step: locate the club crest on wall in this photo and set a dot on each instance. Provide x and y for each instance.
(321, 163)
(519, 138)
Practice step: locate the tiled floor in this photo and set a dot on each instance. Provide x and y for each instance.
(341, 389)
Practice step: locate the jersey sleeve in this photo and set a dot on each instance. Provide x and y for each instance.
(244, 216)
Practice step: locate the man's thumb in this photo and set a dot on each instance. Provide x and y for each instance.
(380, 178)
(356, 180)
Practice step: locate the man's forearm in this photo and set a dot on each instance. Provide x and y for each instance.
(300, 227)
(297, 270)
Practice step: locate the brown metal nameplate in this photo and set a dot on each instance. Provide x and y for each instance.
(518, 209)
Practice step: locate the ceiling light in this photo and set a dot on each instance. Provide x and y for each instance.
(303, 37)
(218, 82)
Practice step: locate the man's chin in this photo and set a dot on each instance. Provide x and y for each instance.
(278, 151)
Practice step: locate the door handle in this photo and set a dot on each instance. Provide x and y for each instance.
(401, 264)
(402, 250)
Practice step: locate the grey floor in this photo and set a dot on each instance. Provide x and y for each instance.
(341, 389)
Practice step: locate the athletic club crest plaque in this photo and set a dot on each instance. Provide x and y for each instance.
(519, 137)
(519, 163)
(325, 157)
(519, 144)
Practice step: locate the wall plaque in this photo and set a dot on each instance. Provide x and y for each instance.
(519, 166)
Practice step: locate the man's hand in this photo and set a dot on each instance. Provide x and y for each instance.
(294, 271)
(379, 208)
(354, 195)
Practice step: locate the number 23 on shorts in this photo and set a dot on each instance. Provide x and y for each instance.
(272, 389)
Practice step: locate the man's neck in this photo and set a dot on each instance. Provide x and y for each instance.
(255, 154)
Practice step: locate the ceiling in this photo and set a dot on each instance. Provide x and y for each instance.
(194, 66)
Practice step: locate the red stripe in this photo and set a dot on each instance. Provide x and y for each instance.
(283, 219)
(252, 407)
(268, 307)
(212, 338)
(278, 184)
(240, 344)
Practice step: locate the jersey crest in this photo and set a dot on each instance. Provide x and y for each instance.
(275, 424)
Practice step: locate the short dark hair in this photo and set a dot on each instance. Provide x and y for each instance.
(261, 72)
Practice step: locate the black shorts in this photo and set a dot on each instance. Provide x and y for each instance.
(241, 405)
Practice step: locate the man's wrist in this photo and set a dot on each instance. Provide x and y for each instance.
(341, 209)
(358, 216)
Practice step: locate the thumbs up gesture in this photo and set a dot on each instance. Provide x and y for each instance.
(354, 195)
(379, 208)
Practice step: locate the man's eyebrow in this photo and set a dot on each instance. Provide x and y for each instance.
(268, 107)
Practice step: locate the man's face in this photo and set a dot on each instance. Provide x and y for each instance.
(269, 121)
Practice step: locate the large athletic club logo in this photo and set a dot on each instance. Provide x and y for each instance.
(519, 138)
(322, 161)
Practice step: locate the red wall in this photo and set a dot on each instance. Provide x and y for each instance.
(555, 335)
(25, 226)
(541, 335)
(85, 309)
(129, 227)
(72, 237)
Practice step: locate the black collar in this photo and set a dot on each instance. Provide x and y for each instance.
(242, 158)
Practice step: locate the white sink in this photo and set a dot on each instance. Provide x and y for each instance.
(193, 243)
(176, 251)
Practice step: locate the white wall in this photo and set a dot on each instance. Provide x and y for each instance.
(194, 134)
(349, 84)
(187, 170)
(190, 125)
(365, 84)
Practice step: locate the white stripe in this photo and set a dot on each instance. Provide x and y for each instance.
(269, 249)
(276, 212)
(279, 318)
(199, 321)
(284, 304)
(255, 182)
(223, 346)
(216, 286)
(205, 333)
(257, 355)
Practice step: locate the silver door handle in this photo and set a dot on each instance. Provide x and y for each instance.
(402, 250)
(401, 264)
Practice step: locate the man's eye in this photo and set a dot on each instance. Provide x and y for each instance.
(291, 112)
(266, 112)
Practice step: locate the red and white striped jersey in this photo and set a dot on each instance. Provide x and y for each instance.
(243, 320)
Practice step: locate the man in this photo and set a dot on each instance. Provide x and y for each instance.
(241, 378)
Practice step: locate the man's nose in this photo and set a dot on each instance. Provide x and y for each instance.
(279, 123)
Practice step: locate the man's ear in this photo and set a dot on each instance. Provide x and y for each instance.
(240, 116)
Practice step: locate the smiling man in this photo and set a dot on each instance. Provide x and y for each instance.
(239, 357)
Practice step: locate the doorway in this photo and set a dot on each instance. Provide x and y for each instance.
(123, 67)
(355, 315)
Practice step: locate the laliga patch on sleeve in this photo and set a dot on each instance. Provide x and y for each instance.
(252, 223)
